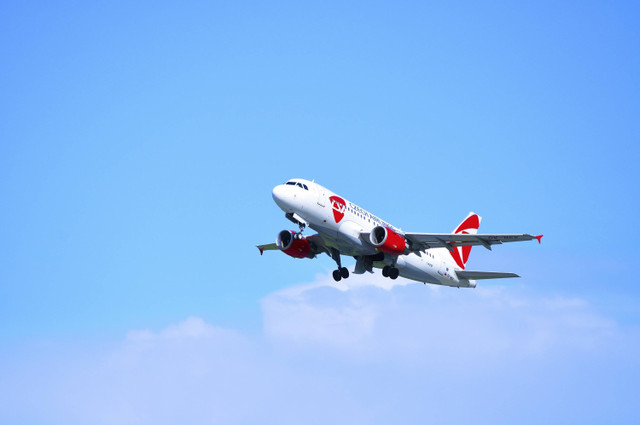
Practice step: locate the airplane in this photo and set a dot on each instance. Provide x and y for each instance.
(346, 229)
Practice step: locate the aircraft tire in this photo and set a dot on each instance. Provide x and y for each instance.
(394, 273)
(385, 271)
(344, 272)
(337, 275)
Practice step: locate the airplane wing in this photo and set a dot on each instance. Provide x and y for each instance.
(315, 241)
(422, 241)
(267, 247)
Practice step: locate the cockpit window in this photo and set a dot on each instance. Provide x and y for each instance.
(300, 185)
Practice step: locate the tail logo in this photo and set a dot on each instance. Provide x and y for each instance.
(338, 206)
(468, 227)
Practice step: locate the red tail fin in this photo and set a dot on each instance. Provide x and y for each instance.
(469, 226)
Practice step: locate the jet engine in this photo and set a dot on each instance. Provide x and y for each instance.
(386, 240)
(294, 244)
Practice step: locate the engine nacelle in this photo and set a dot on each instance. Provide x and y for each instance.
(293, 244)
(386, 240)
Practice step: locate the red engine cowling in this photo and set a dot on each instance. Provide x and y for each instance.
(386, 240)
(293, 244)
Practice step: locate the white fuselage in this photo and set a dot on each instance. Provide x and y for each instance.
(340, 223)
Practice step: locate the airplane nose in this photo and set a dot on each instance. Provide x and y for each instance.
(280, 196)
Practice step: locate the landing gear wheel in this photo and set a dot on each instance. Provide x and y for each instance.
(344, 272)
(385, 271)
(394, 273)
(336, 275)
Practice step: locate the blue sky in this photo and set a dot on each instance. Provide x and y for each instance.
(138, 148)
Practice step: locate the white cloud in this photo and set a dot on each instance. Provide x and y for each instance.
(358, 352)
(426, 319)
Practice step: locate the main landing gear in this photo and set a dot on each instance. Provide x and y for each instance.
(341, 272)
(390, 272)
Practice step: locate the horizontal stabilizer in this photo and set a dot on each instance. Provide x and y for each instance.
(468, 274)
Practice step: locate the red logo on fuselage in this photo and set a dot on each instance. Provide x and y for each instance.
(338, 205)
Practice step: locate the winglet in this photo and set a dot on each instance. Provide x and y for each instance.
(261, 250)
(539, 237)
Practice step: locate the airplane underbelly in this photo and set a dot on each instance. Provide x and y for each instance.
(423, 269)
(416, 268)
(350, 242)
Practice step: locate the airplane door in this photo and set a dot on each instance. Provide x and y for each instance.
(321, 198)
(442, 268)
